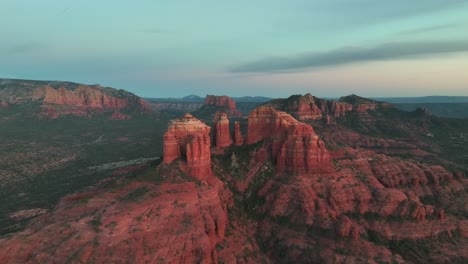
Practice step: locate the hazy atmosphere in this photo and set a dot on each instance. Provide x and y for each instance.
(274, 48)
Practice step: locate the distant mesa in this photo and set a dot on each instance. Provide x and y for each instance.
(58, 99)
(223, 103)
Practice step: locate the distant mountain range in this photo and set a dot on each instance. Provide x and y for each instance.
(424, 99)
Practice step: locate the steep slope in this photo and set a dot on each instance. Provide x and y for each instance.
(294, 145)
(56, 99)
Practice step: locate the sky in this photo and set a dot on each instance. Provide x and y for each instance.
(274, 48)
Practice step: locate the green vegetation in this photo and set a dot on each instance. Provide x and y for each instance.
(418, 251)
(96, 222)
(135, 195)
(43, 160)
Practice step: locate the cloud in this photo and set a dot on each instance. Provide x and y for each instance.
(430, 29)
(348, 55)
(25, 48)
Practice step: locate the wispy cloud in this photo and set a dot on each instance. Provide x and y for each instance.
(348, 55)
(25, 48)
(430, 29)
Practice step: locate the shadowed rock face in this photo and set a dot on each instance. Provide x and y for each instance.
(238, 137)
(190, 138)
(222, 133)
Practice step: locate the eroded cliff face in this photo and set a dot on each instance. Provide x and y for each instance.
(308, 107)
(82, 101)
(189, 138)
(59, 99)
(294, 145)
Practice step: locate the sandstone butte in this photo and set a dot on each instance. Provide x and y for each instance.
(188, 137)
(84, 100)
(294, 145)
(222, 134)
(225, 102)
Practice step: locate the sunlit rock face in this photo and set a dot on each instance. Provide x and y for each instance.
(294, 145)
(188, 137)
(222, 134)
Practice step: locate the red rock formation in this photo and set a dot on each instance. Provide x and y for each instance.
(221, 131)
(64, 98)
(222, 101)
(225, 102)
(85, 96)
(119, 116)
(295, 146)
(177, 223)
(4, 104)
(190, 138)
(82, 100)
(337, 109)
(238, 137)
(305, 108)
(308, 107)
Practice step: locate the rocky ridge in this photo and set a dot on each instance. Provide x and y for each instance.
(59, 99)
(308, 107)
